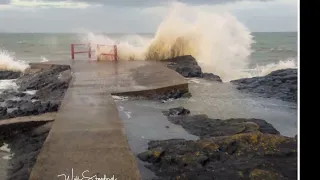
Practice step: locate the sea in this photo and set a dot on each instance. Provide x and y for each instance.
(268, 51)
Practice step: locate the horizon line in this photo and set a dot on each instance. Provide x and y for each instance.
(119, 32)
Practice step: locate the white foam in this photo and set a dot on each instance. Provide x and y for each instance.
(266, 69)
(8, 62)
(219, 42)
(31, 92)
(195, 81)
(128, 114)
(120, 98)
(44, 59)
(5, 148)
(7, 157)
(8, 84)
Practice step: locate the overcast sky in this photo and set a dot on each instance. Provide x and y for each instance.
(134, 16)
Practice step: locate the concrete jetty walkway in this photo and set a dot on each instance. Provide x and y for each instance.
(87, 138)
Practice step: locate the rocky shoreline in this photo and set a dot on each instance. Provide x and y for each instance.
(25, 141)
(227, 149)
(280, 84)
(39, 91)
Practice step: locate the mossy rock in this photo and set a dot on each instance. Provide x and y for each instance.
(241, 156)
(259, 174)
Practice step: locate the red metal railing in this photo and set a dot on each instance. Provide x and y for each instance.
(73, 52)
(113, 53)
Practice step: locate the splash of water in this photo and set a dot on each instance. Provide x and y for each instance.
(8, 62)
(43, 59)
(219, 42)
(268, 68)
(216, 39)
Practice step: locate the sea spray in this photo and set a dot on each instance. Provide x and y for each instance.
(218, 41)
(8, 62)
(263, 70)
(43, 59)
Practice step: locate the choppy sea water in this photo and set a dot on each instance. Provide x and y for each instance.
(271, 50)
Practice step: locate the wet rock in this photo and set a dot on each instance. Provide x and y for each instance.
(151, 156)
(280, 84)
(3, 111)
(9, 74)
(25, 145)
(176, 111)
(173, 94)
(211, 77)
(27, 108)
(227, 149)
(187, 66)
(203, 126)
(258, 174)
(241, 156)
(50, 85)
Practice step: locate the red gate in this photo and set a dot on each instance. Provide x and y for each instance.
(113, 52)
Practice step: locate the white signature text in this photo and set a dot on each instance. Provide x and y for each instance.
(84, 176)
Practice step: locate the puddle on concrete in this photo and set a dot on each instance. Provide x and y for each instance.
(144, 123)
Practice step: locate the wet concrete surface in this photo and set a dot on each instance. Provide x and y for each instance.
(87, 133)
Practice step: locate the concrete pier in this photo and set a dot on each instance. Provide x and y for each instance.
(87, 138)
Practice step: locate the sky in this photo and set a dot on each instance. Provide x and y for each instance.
(136, 16)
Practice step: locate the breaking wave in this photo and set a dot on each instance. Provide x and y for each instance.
(218, 41)
(8, 62)
(268, 68)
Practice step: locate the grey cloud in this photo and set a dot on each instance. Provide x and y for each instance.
(146, 3)
(4, 2)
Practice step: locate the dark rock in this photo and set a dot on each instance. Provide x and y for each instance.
(187, 66)
(9, 74)
(3, 111)
(176, 111)
(51, 85)
(228, 149)
(173, 94)
(211, 77)
(203, 126)
(25, 145)
(27, 108)
(280, 84)
(242, 156)
(145, 155)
